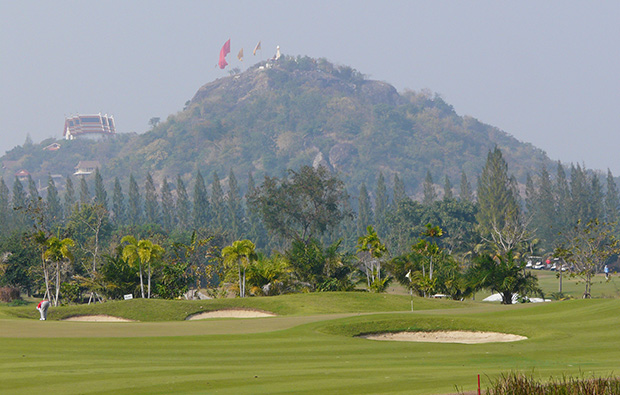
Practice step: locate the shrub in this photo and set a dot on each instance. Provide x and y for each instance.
(9, 294)
(520, 384)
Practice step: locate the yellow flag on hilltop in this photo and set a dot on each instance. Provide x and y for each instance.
(256, 48)
(240, 55)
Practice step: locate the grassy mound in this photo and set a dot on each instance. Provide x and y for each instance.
(295, 304)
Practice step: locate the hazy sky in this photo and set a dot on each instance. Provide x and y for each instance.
(546, 72)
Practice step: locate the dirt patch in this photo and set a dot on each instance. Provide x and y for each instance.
(230, 313)
(97, 318)
(464, 337)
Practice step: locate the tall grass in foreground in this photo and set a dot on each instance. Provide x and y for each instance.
(520, 384)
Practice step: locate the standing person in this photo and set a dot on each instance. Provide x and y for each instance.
(42, 307)
(606, 270)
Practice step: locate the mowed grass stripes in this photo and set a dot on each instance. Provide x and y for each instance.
(318, 355)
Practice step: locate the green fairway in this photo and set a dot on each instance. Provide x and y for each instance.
(309, 348)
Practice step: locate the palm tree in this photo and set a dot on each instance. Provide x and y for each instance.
(58, 251)
(235, 253)
(371, 244)
(143, 252)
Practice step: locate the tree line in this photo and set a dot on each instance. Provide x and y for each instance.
(299, 231)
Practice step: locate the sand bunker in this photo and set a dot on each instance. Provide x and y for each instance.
(231, 313)
(97, 318)
(447, 337)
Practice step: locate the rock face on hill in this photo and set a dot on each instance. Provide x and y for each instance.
(301, 111)
(279, 115)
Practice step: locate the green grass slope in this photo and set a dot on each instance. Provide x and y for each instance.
(316, 353)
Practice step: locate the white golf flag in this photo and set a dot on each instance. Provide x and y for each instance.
(408, 275)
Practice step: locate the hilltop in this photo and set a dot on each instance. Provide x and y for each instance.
(283, 114)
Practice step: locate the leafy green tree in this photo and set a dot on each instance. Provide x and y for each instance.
(240, 255)
(503, 274)
(143, 253)
(101, 196)
(268, 275)
(19, 262)
(586, 249)
(118, 277)
(118, 203)
(497, 195)
(168, 210)
(53, 201)
(183, 204)
(135, 202)
(430, 194)
(364, 211)
(202, 209)
(174, 280)
(301, 206)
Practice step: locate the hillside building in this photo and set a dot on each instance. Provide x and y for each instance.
(89, 126)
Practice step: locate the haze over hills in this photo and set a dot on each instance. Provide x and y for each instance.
(279, 115)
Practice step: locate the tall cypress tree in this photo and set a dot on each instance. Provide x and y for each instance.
(84, 192)
(447, 189)
(135, 202)
(399, 191)
(151, 205)
(255, 230)
(612, 200)
(217, 204)
(497, 194)
(235, 207)
(430, 195)
(381, 206)
(200, 213)
(101, 196)
(19, 201)
(69, 196)
(33, 193)
(530, 196)
(364, 211)
(53, 201)
(118, 203)
(5, 201)
(579, 203)
(183, 204)
(546, 210)
(563, 220)
(168, 212)
(465, 189)
(596, 198)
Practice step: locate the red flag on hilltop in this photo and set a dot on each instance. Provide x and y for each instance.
(225, 51)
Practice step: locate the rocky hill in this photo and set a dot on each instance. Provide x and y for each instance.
(295, 111)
